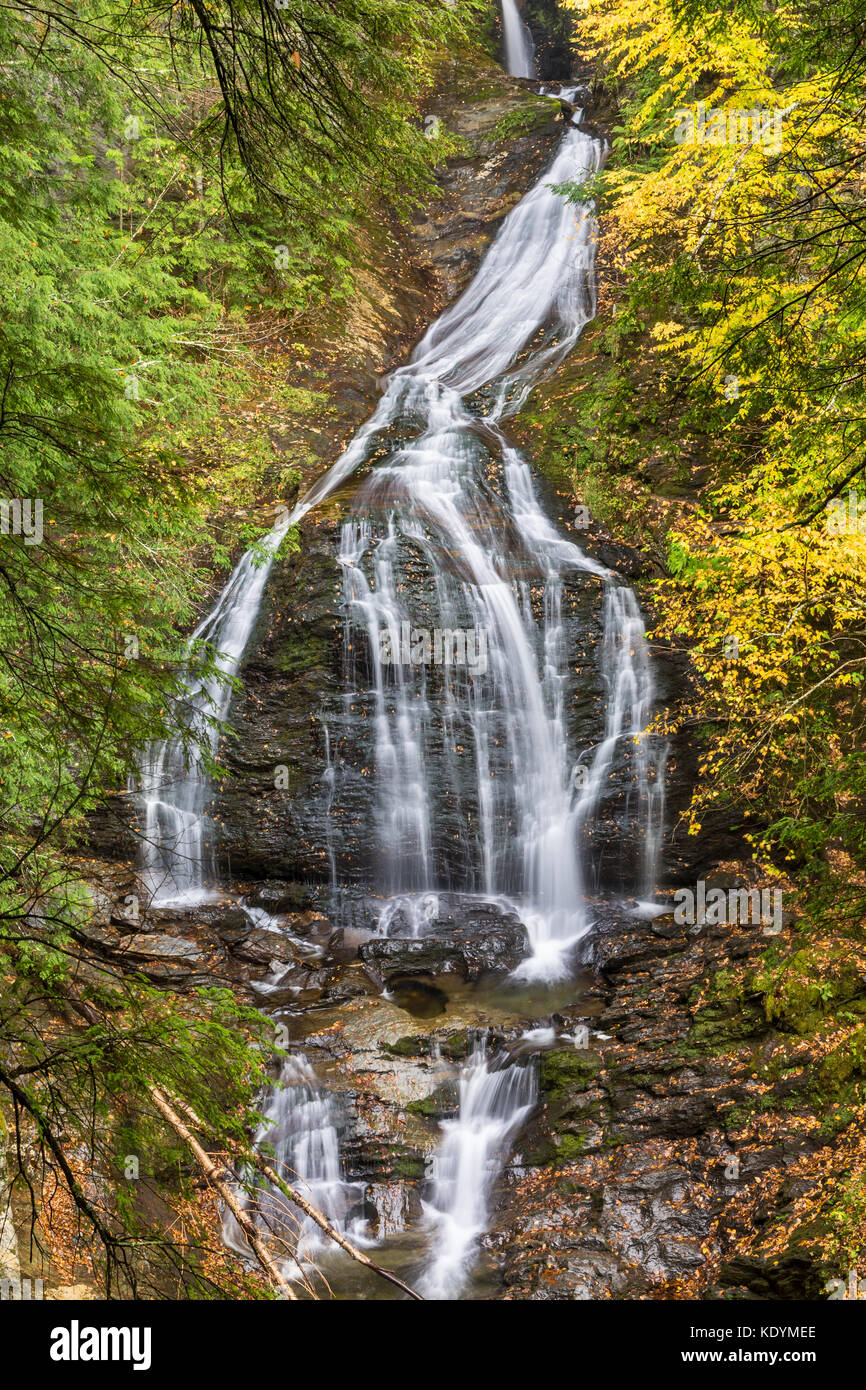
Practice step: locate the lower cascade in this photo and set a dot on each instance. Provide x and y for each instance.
(300, 1133)
(475, 1145)
(463, 607)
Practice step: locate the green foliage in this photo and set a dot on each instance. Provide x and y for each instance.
(82, 1101)
(180, 188)
(733, 413)
(160, 215)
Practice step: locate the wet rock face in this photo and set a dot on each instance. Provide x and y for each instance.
(551, 29)
(270, 807)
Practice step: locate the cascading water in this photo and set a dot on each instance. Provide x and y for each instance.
(301, 1131)
(176, 847)
(503, 815)
(493, 1105)
(630, 699)
(534, 292)
(519, 811)
(519, 48)
(475, 784)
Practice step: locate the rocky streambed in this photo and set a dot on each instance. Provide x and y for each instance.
(671, 1131)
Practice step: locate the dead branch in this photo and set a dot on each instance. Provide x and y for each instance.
(212, 1174)
(312, 1212)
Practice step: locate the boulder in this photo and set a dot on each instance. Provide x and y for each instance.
(468, 939)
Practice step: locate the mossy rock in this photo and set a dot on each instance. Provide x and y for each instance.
(413, 1045)
(438, 1105)
(458, 1044)
(800, 990)
(556, 1151)
(524, 120)
(569, 1148)
(725, 1023)
(565, 1072)
(409, 1168)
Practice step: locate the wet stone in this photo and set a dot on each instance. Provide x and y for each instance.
(471, 951)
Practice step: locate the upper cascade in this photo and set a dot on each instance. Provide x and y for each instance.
(480, 757)
(519, 48)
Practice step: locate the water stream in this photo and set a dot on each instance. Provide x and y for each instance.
(475, 1145)
(519, 48)
(458, 668)
(300, 1131)
(177, 850)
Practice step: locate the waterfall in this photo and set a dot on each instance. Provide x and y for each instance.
(403, 823)
(493, 1105)
(534, 290)
(630, 689)
(506, 817)
(519, 48)
(475, 784)
(301, 1131)
(329, 779)
(176, 857)
(459, 688)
